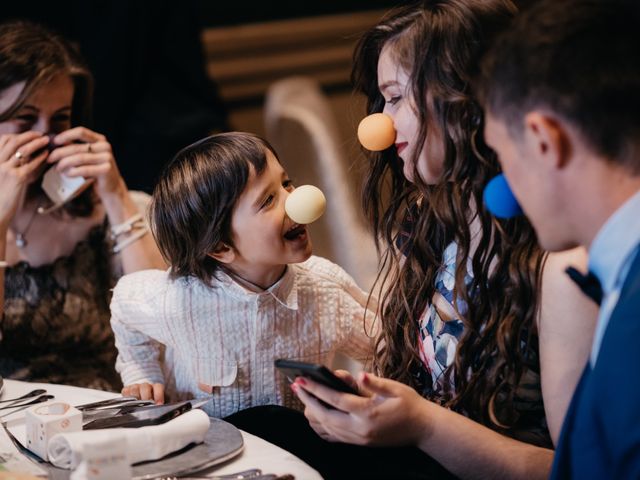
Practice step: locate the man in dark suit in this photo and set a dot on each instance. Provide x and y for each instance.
(562, 98)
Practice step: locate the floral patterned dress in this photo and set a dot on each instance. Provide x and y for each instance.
(439, 338)
(440, 330)
(439, 335)
(55, 326)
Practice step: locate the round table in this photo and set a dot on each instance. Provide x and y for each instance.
(257, 453)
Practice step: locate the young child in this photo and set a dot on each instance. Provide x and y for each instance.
(243, 288)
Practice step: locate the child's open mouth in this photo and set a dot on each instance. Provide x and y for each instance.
(296, 231)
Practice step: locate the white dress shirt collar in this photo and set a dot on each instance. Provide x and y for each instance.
(284, 291)
(610, 257)
(615, 242)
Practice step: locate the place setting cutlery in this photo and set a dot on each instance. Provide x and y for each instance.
(116, 402)
(32, 393)
(252, 474)
(106, 415)
(21, 406)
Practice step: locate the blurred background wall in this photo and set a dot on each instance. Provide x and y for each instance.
(168, 73)
(245, 59)
(287, 78)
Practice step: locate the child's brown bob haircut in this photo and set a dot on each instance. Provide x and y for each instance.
(194, 199)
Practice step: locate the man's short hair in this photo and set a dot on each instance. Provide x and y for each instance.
(579, 59)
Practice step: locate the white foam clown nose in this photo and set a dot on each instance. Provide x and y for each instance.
(376, 132)
(306, 204)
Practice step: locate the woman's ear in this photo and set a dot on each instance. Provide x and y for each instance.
(223, 253)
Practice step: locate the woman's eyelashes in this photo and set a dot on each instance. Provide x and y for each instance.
(394, 99)
(287, 184)
(61, 119)
(58, 123)
(27, 118)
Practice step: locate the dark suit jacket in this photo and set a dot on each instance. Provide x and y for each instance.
(601, 433)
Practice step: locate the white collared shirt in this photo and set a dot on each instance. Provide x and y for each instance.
(183, 332)
(610, 257)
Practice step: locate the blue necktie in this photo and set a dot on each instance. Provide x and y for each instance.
(588, 283)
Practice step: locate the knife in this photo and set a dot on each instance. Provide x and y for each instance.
(140, 416)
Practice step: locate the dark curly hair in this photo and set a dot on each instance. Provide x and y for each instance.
(439, 43)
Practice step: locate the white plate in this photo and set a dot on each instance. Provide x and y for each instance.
(222, 442)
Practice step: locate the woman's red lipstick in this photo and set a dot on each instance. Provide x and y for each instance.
(401, 146)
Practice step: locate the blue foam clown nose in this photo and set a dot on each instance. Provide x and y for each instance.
(499, 198)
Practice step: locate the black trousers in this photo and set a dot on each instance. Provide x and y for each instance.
(289, 429)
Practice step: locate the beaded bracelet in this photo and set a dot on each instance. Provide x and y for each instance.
(131, 223)
(141, 232)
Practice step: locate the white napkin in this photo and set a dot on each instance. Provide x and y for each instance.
(144, 443)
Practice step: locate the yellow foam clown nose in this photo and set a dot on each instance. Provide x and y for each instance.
(376, 132)
(306, 204)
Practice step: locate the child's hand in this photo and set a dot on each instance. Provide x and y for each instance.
(145, 391)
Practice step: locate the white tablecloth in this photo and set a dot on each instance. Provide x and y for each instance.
(257, 453)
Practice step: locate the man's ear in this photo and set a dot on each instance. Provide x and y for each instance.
(223, 253)
(548, 139)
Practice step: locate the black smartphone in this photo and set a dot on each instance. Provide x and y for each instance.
(314, 371)
(141, 416)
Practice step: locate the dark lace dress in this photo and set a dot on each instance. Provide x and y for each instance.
(55, 326)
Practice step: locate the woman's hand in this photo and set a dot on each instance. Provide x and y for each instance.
(20, 156)
(145, 391)
(88, 154)
(313, 422)
(392, 415)
(348, 378)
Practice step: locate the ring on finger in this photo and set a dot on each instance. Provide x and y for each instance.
(19, 156)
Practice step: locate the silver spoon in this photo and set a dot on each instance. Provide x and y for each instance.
(40, 399)
(22, 406)
(32, 393)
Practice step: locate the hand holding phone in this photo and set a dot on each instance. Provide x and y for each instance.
(316, 372)
(59, 187)
(81, 152)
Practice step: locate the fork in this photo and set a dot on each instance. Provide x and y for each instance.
(253, 474)
(266, 476)
(258, 477)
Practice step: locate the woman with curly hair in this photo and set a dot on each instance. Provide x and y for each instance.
(483, 335)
